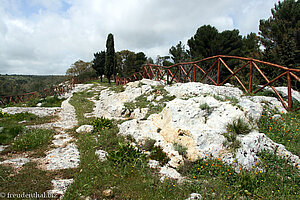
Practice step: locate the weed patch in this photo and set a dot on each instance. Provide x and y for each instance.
(32, 139)
(283, 130)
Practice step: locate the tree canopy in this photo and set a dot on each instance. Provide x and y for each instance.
(99, 63)
(280, 34)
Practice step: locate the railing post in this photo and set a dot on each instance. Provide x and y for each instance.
(194, 73)
(290, 101)
(218, 76)
(251, 77)
(167, 76)
(179, 73)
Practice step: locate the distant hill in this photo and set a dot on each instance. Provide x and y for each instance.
(20, 84)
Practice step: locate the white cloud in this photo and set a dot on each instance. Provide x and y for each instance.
(46, 37)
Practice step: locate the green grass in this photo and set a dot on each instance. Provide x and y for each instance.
(284, 130)
(83, 105)
(50, 101)
(277, 180)
(12, 127)
(238, 127)
(31, 139)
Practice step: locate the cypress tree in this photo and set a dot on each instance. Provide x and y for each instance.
(110, 60)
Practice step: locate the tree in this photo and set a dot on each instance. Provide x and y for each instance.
(140, 59)
(78, 68)
(280, 34)
(110, 60)
(178, 53)
(99, 63)
(125, 62)
(251, 46)
(209, 42)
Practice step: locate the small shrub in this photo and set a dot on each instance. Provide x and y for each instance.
(52, 101)
(158, 154)
(9, 133)
(31, 139)
(118, 88)
(204, 106)
(101, 123)
(149, 144)
(126, 154)
(239, 127)
(181, 149)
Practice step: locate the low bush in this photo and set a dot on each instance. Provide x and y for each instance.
(181, 149)
(158, 154)
(101, 123)
(126, 154)
(239, 127)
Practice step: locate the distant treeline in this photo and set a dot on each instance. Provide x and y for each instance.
(20, 84)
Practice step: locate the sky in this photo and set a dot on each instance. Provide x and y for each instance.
(45, 37)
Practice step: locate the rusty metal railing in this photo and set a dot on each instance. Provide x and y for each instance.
(210, 69)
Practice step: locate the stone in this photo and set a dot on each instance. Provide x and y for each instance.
(85, 129)
(16, 162)
(168, 172)
(194, 196)
(153, 164)
(2, 147)
(63, 158)
(39, 111)
(39, 104)
(60, 186)
(102, 155)
(108, 193)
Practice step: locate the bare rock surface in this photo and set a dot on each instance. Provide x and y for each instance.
(60, 187)
(85, 129)
(197, 119)
(16, 162)
(39, 111)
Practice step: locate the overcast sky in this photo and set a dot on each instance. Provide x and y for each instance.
(47, 36)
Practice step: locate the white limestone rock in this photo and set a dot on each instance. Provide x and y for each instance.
(194, 196)
(168, 172)
(85, 129)
(60, 186)
(102, 155)
(63, 158)
(16, 162)
(39, 111)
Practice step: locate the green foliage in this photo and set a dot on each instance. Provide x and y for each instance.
(280, 34)
(204, 106)
(117, 88)
(274, 178)
(101, 123)
(149, 144)
(21, 84)
(158, 154)
(52, 101)
(231, 141)
(9, 133)
(99, 63)
(110, 61)
(179, 54)
(284, 130)
(209, 42)
(126, 154)
(239, 127)
(181, 149)
(31, 139)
